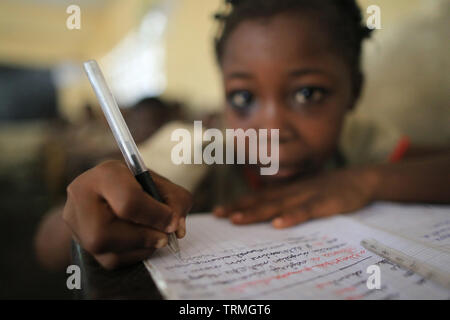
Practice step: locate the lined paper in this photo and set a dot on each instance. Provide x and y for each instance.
(425, 224)
(320, 259)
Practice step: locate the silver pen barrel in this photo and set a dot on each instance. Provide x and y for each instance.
(115, 119)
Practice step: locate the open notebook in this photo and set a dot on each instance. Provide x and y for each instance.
(321, 259)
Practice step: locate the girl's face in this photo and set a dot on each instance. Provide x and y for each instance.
(284, 73)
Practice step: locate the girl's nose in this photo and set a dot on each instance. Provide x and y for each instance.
(274, 115)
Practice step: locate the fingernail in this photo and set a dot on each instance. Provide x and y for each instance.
(278, 223)
(219, 211)
(237, 217)
(181, 232)
(161, 243)
(172, 226)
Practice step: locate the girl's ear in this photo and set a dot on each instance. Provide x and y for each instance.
(358, 84)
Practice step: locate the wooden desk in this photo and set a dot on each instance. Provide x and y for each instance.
(132, 282)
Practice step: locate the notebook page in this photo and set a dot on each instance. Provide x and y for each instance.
(426, 224)
(320, 259)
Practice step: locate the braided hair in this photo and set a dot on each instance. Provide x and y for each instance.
(343, 18)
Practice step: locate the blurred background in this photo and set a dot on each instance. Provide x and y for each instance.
(158, 58)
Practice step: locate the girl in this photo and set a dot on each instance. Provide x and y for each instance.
(292, 65)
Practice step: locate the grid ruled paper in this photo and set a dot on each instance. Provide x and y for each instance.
(321, 259)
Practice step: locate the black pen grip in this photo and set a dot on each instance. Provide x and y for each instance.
(149, 186)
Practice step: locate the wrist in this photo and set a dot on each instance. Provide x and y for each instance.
(370, 178)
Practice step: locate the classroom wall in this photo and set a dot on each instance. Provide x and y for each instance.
(408, 73)
(192, 74)
(34, 33)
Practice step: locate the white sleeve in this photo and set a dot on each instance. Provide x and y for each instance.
(156, 152)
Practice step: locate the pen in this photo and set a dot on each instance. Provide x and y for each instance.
(422, 268)
(124, 139)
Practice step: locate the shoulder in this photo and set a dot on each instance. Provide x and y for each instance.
(364, 140)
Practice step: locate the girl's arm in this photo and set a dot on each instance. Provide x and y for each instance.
(423, 178)
(52, 242)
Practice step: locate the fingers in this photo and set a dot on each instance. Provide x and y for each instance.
(122, 236)
(85, 213)
(259, 214)
(181, 231)
(265, 210)
(98, 234)
(220, 212)
(317, 197)
(296, 216)
(112, 261)
(248, 202)
(178, 199)
(245, 202)
(98, 228)
(128, 200)
(312, 208)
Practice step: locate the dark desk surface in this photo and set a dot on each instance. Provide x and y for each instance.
(132, 282)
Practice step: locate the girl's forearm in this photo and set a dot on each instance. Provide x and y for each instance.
(421, 179)
(52, 241)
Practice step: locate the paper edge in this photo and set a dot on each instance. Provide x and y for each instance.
(160, 283)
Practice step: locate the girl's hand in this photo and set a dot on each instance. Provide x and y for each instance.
(325, 195)
(113, 218)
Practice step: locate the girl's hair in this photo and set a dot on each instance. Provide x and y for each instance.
(343, 18)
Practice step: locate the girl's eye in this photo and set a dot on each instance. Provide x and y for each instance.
(308, 95)
(240, 100)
